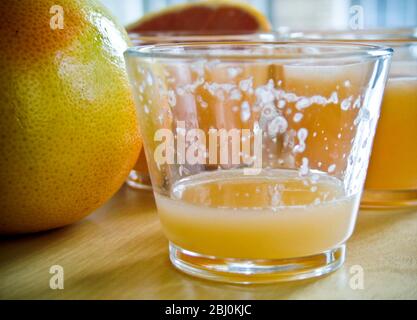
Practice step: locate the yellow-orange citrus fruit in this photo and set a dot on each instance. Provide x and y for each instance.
(68, 126)
(207, 16)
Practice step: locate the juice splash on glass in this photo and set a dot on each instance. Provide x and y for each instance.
(139, 177)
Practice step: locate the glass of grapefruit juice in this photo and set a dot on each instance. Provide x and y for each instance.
(257, 151)
(391, 181)
(392, 176)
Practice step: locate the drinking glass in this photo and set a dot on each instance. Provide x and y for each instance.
(257, 151)
(391, 181)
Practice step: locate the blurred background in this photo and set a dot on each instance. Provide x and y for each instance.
(299, 14)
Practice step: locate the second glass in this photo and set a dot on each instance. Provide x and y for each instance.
(391, 182)
(257, 151)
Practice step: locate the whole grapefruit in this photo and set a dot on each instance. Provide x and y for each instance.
(68, 126)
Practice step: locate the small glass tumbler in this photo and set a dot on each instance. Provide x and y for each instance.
(391, 181)
(139, 176)
(257, 151)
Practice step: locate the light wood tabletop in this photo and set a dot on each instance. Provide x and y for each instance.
(120, 252)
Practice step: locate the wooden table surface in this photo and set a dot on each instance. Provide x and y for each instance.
(119, 252)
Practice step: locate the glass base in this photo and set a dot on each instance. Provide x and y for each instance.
(244, 271)
(389, 199)
(138, 180)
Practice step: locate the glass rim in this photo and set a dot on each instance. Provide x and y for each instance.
(382, 35)
(345, 50)
(151, 37)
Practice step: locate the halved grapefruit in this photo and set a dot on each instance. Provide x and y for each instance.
(207, 16)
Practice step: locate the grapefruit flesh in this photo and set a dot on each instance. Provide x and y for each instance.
(209, 16)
